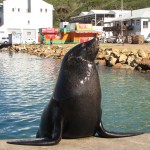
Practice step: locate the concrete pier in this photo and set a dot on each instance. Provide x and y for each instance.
(141, 142)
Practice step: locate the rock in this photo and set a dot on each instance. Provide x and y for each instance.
(125, 66)
(142, 54)
(138, 68)
(116, 53)
(59, 46)
(117, 66)
(4, 49)
(102, 62)
(63, 53)
(100, 55)
(144, 64)
(108, 52)
(111, 62)
(125, 58)
(138, 59)
(106, 57)
(148, 55)
(124, 51)
(134, 51)
(133, 63)
(122, 58)
(17, 48)
(108, 49)
(130, 59)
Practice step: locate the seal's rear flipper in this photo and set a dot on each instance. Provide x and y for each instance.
(46, 138)
(106, 134)
(39, 141)
(34, 142)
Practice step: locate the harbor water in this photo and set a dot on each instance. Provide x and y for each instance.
(27, 83)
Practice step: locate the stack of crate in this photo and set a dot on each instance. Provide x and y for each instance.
(129, 39)
(138, 39)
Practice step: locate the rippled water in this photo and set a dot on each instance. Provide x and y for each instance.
(27, 82)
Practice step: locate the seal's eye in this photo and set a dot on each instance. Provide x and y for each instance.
(70, 57)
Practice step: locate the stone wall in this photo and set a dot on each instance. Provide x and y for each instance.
(128, 59)
(56, 51)
(111, 57)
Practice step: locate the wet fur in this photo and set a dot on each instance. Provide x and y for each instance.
(74, 110)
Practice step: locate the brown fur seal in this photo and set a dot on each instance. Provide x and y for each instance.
(74, 110)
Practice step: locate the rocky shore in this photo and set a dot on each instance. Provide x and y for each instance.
(125, 59)
(45, 51)
(111, 57)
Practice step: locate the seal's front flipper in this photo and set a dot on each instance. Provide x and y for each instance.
(101, 132)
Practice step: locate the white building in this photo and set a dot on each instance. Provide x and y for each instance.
(135, 22)
(99, 18)
(25, 17)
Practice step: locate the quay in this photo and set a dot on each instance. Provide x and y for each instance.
(141, 142)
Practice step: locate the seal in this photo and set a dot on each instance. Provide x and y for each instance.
(74, 110)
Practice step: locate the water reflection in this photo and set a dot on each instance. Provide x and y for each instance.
(27, 83)
(125, 100)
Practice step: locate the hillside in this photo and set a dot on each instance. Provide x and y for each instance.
(67, 8)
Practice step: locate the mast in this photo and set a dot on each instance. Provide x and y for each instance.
(29, 6)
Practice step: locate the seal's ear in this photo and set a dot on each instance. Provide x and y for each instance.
(69, 57)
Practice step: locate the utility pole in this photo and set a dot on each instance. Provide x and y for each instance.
(95, 19)
(121, 18)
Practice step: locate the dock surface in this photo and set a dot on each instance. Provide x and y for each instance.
(141, 142)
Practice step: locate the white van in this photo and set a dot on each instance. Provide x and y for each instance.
(4, 40)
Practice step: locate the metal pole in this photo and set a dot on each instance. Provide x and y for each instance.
(121, 18)
(95, 19)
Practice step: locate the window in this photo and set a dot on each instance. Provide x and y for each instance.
(138, 22)
(109, 15)
(46, 10)
(41, 10)
(145, 24)
(1, 10)
(112, 16)
(18, 9)
(28, 21)
(13, 9)
(28, 33)
(4, 38)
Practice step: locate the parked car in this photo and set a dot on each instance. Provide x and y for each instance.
(147, 40)
(102, 40)
(29, 41)
(111, 39)
(4, 41)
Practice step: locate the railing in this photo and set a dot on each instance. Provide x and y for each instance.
(118, 28)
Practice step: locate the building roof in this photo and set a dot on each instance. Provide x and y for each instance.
(100, 12)
(121, 14)
(92, 12)
(83, 13)
(139, 13)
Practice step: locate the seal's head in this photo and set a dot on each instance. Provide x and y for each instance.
(86, 51)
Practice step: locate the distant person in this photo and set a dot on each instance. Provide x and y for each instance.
(123, 40)
(51, 41)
